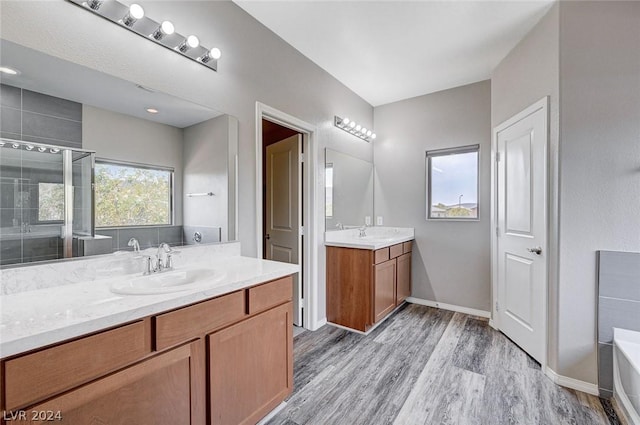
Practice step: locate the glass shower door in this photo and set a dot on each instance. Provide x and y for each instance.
(31, 203)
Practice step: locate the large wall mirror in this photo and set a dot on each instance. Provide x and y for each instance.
(348, 191)
(89, 161)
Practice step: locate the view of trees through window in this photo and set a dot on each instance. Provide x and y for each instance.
(50, 202)
(131, 196)
(453, 183)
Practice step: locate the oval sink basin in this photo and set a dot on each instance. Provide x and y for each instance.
(167, 282)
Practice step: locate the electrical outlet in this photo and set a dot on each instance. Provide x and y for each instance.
(379, 221)
(367, 220)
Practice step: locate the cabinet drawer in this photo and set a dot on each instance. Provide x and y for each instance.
(380, 255)
(407, 246)
(395, 250)
(194, 321)
(50, 371)
(270, 294)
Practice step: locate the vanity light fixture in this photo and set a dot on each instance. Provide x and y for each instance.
(352, 128)
(135, 12)
(29, 147)
(163, 33)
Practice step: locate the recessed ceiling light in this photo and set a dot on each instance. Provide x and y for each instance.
(10, 71)
(152, 110)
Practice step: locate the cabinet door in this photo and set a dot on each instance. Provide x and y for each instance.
(165, 389)
(251, 367)
(384, 289)
(404, 278)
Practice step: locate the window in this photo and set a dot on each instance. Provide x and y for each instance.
(328, 194)
(50, 202)
(452, 183)
(132, 195)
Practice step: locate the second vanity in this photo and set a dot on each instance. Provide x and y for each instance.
(368, 275)
(220, 353)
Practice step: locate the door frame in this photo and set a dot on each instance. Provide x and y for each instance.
(309, 267)
(495, 318)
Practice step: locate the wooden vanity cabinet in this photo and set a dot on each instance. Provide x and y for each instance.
(226, 360)
(364, 286)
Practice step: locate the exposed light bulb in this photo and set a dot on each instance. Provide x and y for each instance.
(135, 12)
(15, 145)
(358, 127)
(55, 150)
(190, 42)
(1, 143)
(165, 28)
(42, 149)
(152, 110)
(214, 53)
(369, 133)
(364, 130)
(346, 121)
(29, 147)
(352, 124)
(373, 136)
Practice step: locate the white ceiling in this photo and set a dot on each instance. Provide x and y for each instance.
(387, 51)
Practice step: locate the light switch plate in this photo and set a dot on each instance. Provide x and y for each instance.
(367, 220)
(379, 221)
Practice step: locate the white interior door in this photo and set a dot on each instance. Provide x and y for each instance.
(284, 212)
(522, 229)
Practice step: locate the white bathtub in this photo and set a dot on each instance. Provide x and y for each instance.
(626, 372)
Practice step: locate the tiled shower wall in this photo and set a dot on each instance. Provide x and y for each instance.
(39, 118)
(618, 307)
(152, 236)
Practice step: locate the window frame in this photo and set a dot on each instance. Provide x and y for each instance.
(444, 152)
(144, 166)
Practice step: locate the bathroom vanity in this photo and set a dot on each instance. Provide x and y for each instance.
(220, 353)
(368, 276)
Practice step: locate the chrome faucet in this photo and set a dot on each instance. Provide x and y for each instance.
(167, 263)
(363, 231)
(134, 243)
(161, 262)
(340, 226)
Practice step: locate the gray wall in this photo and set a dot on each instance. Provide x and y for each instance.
(585, 56)
(256, 66)
(39, 118)
(599, 162)
(122, 137)
(527, 74)
(205, 158)
(451, 260)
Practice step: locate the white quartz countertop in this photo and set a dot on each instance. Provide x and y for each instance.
(37, 318)
(375, 237)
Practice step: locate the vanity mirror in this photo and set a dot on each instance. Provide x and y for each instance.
(89, 161)
(348, 191)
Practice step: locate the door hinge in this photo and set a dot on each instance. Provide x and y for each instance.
(497, 306)
(301, 230)
(301, 157)
(497, 231)
(497, 156)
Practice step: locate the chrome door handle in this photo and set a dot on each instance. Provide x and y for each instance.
(537, 250)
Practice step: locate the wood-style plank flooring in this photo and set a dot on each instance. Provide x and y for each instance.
(426, 366)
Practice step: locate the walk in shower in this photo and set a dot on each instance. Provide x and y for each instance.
(46, 201)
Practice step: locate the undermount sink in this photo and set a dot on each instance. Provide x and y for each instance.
(167, 282)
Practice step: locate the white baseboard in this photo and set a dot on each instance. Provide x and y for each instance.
(574, 384)
(318, 324)
(450, 307)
